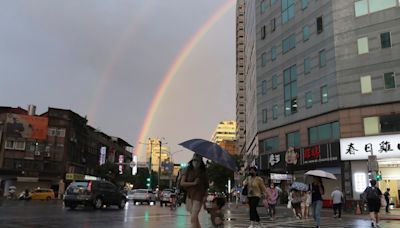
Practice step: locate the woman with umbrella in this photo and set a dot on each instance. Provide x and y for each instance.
(317, 190)
(195, 181)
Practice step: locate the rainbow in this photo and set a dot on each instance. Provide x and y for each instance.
(126, 38)
(174, 68)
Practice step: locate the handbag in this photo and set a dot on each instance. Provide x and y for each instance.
(245, 190)
(289, 204)
(383, 202)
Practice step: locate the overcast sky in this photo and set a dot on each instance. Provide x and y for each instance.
(106, 59)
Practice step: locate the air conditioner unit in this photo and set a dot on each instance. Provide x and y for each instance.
(37, 153)
(47, 154)
(47, 149)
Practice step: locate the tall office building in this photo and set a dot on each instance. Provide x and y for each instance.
(153, 153)
(328, 89)
(226, 130)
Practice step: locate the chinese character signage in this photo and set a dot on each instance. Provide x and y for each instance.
(121, 167)
(102, 159)
(383, 146)
(274, 159)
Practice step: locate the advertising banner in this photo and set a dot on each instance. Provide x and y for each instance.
(103, 152)
(24, 126)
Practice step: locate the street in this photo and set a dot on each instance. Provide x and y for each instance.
(46, 214)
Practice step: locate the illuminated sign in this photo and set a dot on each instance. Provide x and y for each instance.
(121, 167)
(383, 146)
(360, 182)
(103, 151)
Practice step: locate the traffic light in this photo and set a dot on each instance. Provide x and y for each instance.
(148, 182)
(184, 165)
(379, 176)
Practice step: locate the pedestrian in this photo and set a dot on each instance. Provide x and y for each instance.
(271, 197)
(337, 199)
(305, 204)
(317, 190)
(373, 196)
(195, 181)
(296, 203)
(217, 213)
(256, 187)
(387, 198)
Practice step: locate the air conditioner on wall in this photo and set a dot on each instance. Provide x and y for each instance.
(37, 153)
(47, 154)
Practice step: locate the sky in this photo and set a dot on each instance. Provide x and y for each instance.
(106, 59)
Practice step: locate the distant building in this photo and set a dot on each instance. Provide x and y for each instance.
(39, 150)
(153, 153)
(225, 136)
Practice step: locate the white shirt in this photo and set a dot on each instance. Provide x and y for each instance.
(337, 196)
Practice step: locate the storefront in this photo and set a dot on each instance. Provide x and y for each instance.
(387, 150)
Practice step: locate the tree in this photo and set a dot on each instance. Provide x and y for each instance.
(219, 176)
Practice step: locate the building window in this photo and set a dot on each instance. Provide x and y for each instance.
(264, 6)
(322, 58)
(273, 24)
(273, 2)
(273, 53)
(309, 100)
(60, 132)
(361, 7)
(14, 145)
(274, 81)
(389, 80)
(290, 90)
(287, 10)
(306, 33)
(324, 94)
(293, 139)
(275, 112)
(264, 115)
(371, 125)
(307, 65)
(264, 87)
(390, 123)
(289, 43)
(324, 133)
(366, 85)
(304, 4)
(271, 144)
(320, 26)
(263, 32)
(385, 40)
(362, 45)
(263, 59)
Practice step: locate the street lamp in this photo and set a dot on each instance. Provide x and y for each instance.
(150, 161)
(159, 161)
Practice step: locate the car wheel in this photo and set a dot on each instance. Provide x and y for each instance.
(48, 198)
(122, 204)
(98, 203)
(161, 204)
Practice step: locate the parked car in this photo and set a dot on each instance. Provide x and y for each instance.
(165, 196)
(95, 193)
(42, 194)
(143, 195)
(129, 196)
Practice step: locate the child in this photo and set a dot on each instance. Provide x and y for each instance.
(216, 212)
(305, 204)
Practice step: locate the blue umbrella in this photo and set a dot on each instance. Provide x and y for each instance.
(299, 186)
(211, 151)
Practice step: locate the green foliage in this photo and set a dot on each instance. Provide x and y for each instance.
(219, 176)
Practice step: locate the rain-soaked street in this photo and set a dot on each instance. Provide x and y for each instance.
(52, 214)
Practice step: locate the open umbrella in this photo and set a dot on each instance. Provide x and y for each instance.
(299, 186)
(320, 173)
(211, 151)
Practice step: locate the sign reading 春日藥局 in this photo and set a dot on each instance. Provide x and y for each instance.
(358, 148)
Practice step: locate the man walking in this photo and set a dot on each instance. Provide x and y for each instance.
(337, 199)
(387, 198)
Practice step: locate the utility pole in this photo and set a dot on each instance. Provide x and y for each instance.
(159, 165)
(150, 164)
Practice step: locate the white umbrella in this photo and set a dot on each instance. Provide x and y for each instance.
(320, 173)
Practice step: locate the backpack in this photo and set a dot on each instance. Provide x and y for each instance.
(372, 193)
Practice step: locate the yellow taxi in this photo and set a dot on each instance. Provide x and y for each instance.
(42, 194)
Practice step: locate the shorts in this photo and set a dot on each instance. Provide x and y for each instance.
(374, 205)
(296, 205)
(272, 206)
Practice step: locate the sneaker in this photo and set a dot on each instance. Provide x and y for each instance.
(251, 226)
(372, 224)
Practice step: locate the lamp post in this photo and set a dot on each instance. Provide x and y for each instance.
(159, 161)
(150, 162)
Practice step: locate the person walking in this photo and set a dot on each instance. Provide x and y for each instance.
(305, 204)
(317, 190)
(256, 187)
(195, 181)
(387, 198)
(373, 196)
(271, 196)
(337, 199)
(296, 203)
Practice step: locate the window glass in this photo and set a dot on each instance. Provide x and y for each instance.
(263, 33)
(385, 40)
(264, 87)
(288, 43)
(306, 33)
(287, 10)
(290, 90)
(366, 85)
(274, 81)
(271, 144)
(273, 2)
(293, 139)
(309, 101)
(322, 58)
(304, 4)
(389, 80)
(320, 26)
(361, 7)
(324, 132)
(264, 59)
(264, 115)
(264, 6)
(324, 94)
(273, 24)
(378, 5)
(390, 123)
(335, 130)
(275, 112)
(371, 125)
(273, 53)
(307, 65)
(362, 45)
(313, 135)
